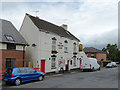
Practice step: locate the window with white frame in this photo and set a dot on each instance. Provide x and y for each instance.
(54, 44)
(53, 63)
(74, 47)
(66, 46)
(74, 61)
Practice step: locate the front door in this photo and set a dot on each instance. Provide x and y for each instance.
(68, 64)
(80, 63)
(43, 66)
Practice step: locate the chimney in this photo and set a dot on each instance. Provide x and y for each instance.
(37, 17)
(64, 26)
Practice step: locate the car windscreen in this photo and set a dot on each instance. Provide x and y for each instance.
(109, 64)
(9, 70)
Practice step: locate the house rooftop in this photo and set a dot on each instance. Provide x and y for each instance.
(10, 34)
(92, 50)
(47, 26)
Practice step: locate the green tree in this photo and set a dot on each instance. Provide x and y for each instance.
(112, 52)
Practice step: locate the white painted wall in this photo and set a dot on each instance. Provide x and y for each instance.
(43, 49)
(31, 34)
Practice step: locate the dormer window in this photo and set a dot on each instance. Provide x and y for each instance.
(9, 38)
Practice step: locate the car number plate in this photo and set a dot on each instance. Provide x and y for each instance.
(6, 79)
(83, 66)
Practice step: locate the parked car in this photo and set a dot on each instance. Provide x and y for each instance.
(114, 64)
(90, 64)
(2, 74)
(37, 69)
(110, 65)
(22, 74)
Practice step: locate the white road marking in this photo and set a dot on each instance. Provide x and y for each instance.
(73, 72)
(58, 75)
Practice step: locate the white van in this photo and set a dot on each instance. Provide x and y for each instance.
(90, 64)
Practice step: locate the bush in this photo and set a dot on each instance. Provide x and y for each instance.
(106, 62)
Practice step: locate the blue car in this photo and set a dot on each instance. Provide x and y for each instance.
(22, 74)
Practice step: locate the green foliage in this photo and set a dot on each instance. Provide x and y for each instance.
(113, 53)
(108, 61)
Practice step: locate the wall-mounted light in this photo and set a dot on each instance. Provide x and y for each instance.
(34, 45)
(47, 32)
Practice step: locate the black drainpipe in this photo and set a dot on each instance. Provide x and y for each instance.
(23, 55)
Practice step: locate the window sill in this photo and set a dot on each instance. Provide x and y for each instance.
(54, 52)
(65, 52)
(74, 65)
(53, 68)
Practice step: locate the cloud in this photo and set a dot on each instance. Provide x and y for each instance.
(84, 19)
(101, 40)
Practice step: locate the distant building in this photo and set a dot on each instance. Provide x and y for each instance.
(95, 53)
(12, 46)
(50, 45)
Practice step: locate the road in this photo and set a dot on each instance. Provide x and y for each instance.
(106, 78)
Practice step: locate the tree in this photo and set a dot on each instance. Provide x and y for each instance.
(112, 52)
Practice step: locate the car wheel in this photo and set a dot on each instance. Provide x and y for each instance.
(40, 78)
(93, 69)
(99, 68)
(84, 70)
(17, 82)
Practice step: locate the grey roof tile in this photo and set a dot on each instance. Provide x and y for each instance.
(7, 28)
(47, 26)
(92, 50)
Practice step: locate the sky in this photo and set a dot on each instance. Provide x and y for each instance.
(94, 23)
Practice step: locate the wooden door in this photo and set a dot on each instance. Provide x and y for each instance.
(43, 66)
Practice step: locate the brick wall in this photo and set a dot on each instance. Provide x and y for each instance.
(98, 56)
(18, 55)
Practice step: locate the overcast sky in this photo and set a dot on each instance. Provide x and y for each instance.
(94, 23)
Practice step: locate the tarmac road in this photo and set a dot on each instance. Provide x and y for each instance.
(105, 78)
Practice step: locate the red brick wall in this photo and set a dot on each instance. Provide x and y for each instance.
(98, 56)
(18, 55)
(89, 55)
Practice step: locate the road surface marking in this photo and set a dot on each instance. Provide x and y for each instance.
(58, 75)
(73, 72)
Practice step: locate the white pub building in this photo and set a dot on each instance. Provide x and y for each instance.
(50, 45)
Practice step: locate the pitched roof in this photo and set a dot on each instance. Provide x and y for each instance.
(8, 29)
(92, 50)
(47, 26)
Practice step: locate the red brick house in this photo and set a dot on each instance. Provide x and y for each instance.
(12, 46)
(95, 53)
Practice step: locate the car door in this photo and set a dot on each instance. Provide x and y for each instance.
(33, 75)
(23, 74)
